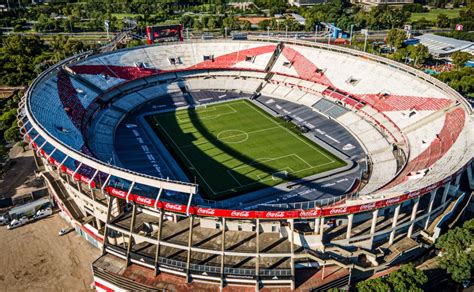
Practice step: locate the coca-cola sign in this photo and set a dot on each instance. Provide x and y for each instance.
(169, 206)
(413, 194)
(337, 211)
(118, 193)
(240, 214)
(310, 213)
(393, 201)
(143, 200)
(206, 211)
(278, 214)
(366, 207)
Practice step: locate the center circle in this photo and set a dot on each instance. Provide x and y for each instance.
(232, 136)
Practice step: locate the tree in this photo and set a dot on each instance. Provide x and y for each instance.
(457, 251)
(374, 285)
(396, 37)
(419, 54)
(443, 20)
(11, 134)
(460, 58)
(407, 278)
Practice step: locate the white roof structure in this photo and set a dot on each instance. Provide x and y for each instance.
(440, 46)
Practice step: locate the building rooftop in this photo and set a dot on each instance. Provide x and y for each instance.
(441, 46)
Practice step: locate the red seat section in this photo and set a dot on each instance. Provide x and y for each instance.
(304, 67)
(402, 103)
(69, 99)
(123, 72)
(231, 59)
(453, 125)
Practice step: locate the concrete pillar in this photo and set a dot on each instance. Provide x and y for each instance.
(107, 222)
(350, 218)
(257, 258)
(375, 213)
(321, 228)
(222, 252)
(292, 250)
(430, 208)
(317, 223)
(98, 223)
(446, 188)
(458, 179)
(158, 246)
(190, 243)
(413, 216)
(36, 160)
(470, 177)
(132, 227)
(394, 224)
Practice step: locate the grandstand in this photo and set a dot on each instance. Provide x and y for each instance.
(102, 124)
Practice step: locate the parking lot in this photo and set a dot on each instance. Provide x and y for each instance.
(35, 257)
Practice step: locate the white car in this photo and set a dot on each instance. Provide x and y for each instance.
(17, 223)
(3, 220)
(43, 213)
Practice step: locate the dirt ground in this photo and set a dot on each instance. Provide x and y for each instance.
(35, 257)
(21, 174)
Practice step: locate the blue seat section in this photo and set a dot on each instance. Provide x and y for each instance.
(85, 94)
(49, 111)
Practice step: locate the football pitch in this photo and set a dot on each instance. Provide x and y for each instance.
(235, 147)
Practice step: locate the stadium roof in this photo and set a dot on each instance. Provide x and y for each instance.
(440, 46)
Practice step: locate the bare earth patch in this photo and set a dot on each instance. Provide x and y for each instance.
(35, 257)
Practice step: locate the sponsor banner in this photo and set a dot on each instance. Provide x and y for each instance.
(311, 213)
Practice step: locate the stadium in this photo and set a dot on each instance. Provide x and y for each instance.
(247, 162)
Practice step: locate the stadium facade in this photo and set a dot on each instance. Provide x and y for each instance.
(408, 136)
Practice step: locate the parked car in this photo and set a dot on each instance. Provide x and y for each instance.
(4, 220)
(43, 213)
(17, 222)
(65, 230)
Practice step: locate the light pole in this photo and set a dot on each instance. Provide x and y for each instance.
(316, 33)
(365, 41)
(350, 39)
(225, 32)
(268, 31)
(286, 31)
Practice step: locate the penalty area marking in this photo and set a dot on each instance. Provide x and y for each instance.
(239, 137)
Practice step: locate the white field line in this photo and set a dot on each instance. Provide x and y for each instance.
(233, 111)
(330, 161)
(186, 157)
(248, 133)
(311, 146)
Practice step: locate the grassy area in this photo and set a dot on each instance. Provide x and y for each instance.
(121, 16)
(235, 146)
(433, 14)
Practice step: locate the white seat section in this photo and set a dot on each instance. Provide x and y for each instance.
(309, 99)
(348, 119)
(404, 119)
(269, 88)
(102, 81)
(421, 138)
(371, 77)
(382, 173)
(153, 91)
(295, 94)
(85, 94)
(129, 101)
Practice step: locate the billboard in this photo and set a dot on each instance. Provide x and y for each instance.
(164, 33)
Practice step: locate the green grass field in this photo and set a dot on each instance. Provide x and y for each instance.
(235, 146)
(433, 14)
